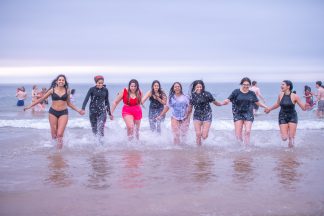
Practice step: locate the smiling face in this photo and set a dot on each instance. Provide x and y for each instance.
(100, 83)
(156, 87)
(177, 88)
(284, 87)
(198, 88)
(60, 81)
(245, 86)
(133, 87)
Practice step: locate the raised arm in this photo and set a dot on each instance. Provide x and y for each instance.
(48, 93)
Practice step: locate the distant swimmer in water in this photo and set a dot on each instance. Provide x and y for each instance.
(320, 99)
(58, 113)
(21, 96)
(288, 118)
(180, 116)
(308, 95)
(132, 111)
(243, 101)
(157, 99)
(257, 91)
(202, 118)
(99, 106)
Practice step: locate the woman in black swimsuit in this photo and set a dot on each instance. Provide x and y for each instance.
(243, 101)
(99, 106)
(58, 113)
(288, 118)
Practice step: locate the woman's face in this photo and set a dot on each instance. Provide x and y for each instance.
(133, 87)
(284, 87)
(198, 88)
(99, 83)
(156, 87)
(245, 86)
(177, 88)
(60, 81)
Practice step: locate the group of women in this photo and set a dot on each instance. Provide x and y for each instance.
(181, 105)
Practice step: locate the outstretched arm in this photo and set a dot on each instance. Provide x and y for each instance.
(48, 93)
(146, 96)
(302, 105)
(164, 111)
(72, 106)
(275, 106)
(116, 102)
(217, 103)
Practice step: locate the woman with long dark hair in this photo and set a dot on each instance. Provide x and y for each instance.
(58, 112)
(157, 99)
(243, 100)
(288, 118)
(180, 116)
(132, 111)
(200, 100)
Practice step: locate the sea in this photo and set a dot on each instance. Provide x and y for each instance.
(152, 176)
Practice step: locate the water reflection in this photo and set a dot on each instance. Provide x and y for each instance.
(132, 176)
(287, 170)
(243, 169)
(58, 167)
(202, 169)
(98, 177)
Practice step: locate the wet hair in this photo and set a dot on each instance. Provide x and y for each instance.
(53, 85)
(245, 79)
(307, 88)
(172, 93)
(289, 83)
(159, 90)
(294, 92)
(137, 92)
(254, 82)
(72, 91)
(319, 83)
(97, 78)
(195, 83)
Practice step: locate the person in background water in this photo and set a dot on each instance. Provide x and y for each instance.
(34, 96)
(99, 106)
(58, 113)
(132, 111)
(320, 99)
(200, 100)
(21, 96)
(157, 99)
(243, 100)
(180, 116)
(288, 118)
(257, 91)
(72, 95)
(308, 95)
(40, 94)
(44, 90)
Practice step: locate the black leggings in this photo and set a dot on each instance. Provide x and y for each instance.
(98, 121)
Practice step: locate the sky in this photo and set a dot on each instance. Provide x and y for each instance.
(183, 40)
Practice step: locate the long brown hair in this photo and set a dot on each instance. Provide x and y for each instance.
(137, 92)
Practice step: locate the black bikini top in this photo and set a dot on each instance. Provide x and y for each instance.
(56, 97)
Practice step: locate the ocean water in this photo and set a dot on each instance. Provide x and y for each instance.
(153, 176)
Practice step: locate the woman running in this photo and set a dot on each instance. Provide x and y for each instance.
(180, 119)
(132, 111)
(99, 106)
(288, 118)
(58, 113)
(157, 99)
(243, 101)
(200, 100)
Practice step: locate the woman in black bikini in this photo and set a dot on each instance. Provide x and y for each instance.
(58, 113)
(288, 118)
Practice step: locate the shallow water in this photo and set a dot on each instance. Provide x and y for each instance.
(157, 178)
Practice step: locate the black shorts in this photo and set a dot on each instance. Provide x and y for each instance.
(285, 118)
(244, 116)
(57, 113)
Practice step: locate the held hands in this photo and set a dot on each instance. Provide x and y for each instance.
(267, 110)
(81, 112)
(111, 117)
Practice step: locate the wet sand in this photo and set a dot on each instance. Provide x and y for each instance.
(224, 179)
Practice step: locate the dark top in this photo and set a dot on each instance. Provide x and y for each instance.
(242, 102)
(155, 104)
(99, 101)
(286, 104)
(56, 97)
(201, 103)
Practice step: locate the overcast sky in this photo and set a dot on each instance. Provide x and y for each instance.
(123, 39)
